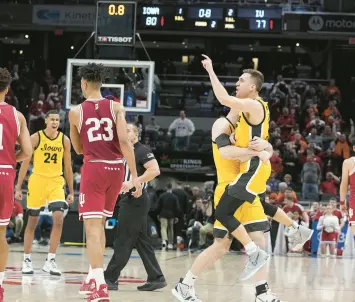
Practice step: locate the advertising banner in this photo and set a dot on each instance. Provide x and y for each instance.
(64, 15)
(337, 23)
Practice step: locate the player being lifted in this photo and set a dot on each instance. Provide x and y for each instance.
(51, 148)
(98, 129)
(13, 129)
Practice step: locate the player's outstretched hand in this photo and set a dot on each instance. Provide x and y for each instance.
(18, 194)
(207, 63)
(126, 186)
(137, 184)
(264, 156)
(70, 198)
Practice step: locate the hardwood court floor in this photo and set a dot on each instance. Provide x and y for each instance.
(293, 279)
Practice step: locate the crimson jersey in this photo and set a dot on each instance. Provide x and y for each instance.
(352, 180)
(97, 129)
(9, 132)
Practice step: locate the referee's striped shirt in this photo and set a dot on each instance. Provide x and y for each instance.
(128, 176)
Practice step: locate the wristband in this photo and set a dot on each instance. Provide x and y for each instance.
(342, 202)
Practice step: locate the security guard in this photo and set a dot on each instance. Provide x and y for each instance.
(132, 227)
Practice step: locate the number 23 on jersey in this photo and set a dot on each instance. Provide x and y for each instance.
(95, 125)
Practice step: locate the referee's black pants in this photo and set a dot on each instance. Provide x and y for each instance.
(132, 230)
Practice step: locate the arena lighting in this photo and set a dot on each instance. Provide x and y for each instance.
(21, 52)
(279, 46)
(72, 47)
(297, 44)
(27, 36)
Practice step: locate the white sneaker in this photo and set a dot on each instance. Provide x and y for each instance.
(27, 267)
(183, 292)
(267, 297)
(255, 262)
(300, 237)
(170, 246)
(50, 266)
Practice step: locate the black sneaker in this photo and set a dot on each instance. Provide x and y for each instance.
(111, 285)
(153, 285)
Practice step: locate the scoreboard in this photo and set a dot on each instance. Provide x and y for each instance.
(210, 18)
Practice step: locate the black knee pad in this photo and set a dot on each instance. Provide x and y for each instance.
(269, 209)
(225, 211)
(58, 206)
(32, 212)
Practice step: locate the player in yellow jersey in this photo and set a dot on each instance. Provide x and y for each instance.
(46, 185)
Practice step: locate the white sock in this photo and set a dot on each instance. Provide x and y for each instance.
(189, 279)
(98, 274)
(50, 256)
(26, 256)
(2, 276)
(251, 247)
(89, 276)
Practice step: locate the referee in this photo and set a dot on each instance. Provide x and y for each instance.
(132, 226)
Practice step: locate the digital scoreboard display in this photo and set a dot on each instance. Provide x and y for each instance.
(210, 18)
(115, 23)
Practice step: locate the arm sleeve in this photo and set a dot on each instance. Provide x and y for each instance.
(320, 223)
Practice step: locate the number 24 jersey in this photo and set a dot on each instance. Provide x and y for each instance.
(97, 129)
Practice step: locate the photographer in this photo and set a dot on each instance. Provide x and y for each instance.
(202, 224)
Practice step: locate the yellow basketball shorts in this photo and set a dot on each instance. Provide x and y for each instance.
(42, 189)
(251, 181)
(251, 215)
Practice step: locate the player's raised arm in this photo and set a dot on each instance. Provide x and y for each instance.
(33, 143)
(68, 171)
(244, 105)
(74, 133)
(24, 140)
(344, 185)
(126, 147)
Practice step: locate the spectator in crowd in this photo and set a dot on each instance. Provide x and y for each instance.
(315, 211)
(331, 111)
(168, 211)
(330, 184)
(310, 178)
(329, 225)
(44, 227)
(48, 81)
(184, 128)
(342, 148)
(152, 130)
(286, 122)
(276, 162)
(273, 182)
(286, 192)
(62, 115)
(291, 206)
(333, 90)
(37, 118)
(313, 138)
(16, 221)
(290, 160)
(208, 221)
(328, 138)
(288, 181)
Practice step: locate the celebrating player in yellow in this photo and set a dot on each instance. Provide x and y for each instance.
(46, 184)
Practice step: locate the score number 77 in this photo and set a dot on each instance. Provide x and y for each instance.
(261, 23)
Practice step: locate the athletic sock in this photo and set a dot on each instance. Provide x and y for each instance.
(261, 287)
(251, 247)
(189, 279)
(89, 276)
(2, 276)
(50, 256)
(26, 256)
(98, 274)
(293, 228)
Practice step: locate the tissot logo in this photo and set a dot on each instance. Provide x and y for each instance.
(316, 23)
(108, 39)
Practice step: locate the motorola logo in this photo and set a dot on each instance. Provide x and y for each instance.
(316, 23)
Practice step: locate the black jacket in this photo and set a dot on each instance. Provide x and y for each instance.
(168, 206)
